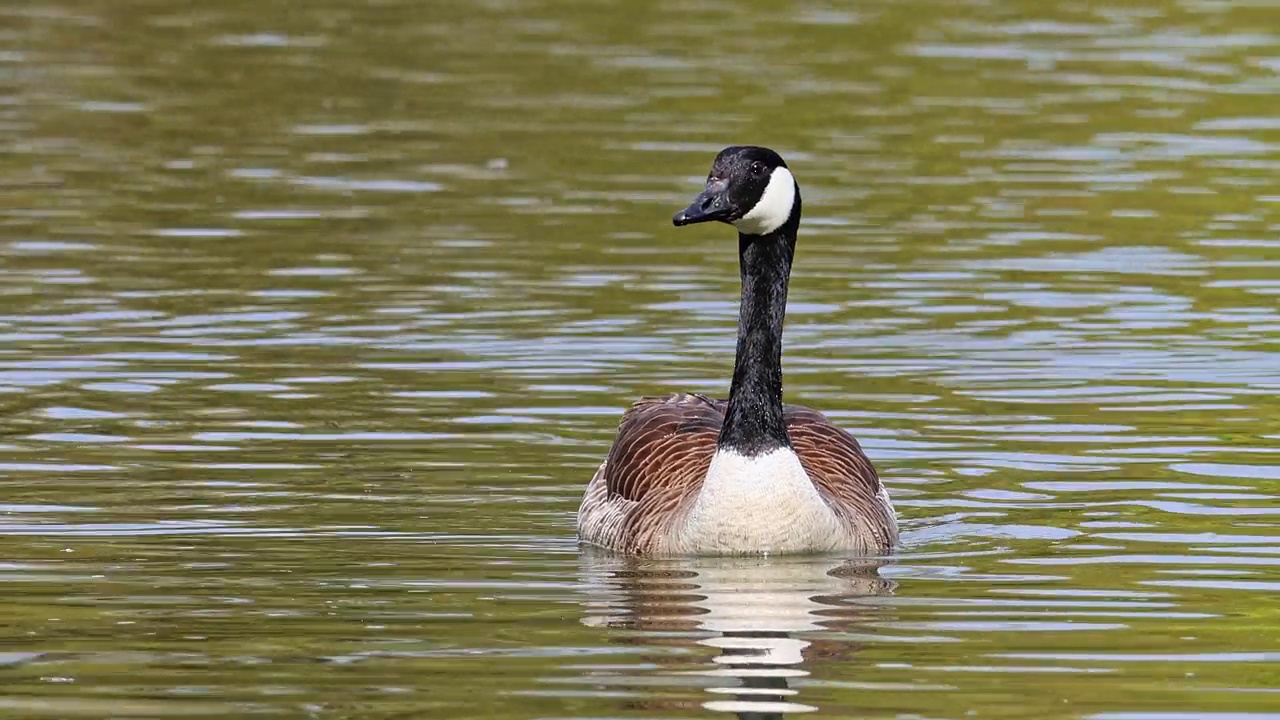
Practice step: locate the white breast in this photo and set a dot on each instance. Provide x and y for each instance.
(758, 505)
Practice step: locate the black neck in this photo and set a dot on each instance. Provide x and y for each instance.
(753, 422)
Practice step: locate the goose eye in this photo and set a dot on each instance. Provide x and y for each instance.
(757, 168)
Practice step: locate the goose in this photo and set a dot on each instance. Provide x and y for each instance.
(692, 475)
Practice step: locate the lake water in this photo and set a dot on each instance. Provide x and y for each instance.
(316, 318)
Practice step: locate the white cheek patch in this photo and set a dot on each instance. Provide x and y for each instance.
(774, 206)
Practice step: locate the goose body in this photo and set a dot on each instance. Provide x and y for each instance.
(690, 475)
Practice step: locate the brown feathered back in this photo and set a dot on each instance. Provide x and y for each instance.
(664, 447)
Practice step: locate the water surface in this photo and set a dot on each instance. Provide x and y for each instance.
(316, 318)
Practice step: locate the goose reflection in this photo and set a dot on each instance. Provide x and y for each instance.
(757, 614)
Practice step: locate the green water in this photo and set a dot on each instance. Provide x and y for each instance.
(316, 318)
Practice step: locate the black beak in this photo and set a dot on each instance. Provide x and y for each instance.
(711, 204)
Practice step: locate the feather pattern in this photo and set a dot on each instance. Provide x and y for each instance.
(664, 447)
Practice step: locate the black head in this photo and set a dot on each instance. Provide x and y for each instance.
(749, 187)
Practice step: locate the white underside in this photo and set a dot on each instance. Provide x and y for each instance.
(758, 505)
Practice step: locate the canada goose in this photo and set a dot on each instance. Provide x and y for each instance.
(689, 475)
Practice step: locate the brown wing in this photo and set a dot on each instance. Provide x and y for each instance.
(842, 473)
(663, 442)
(659, 457)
